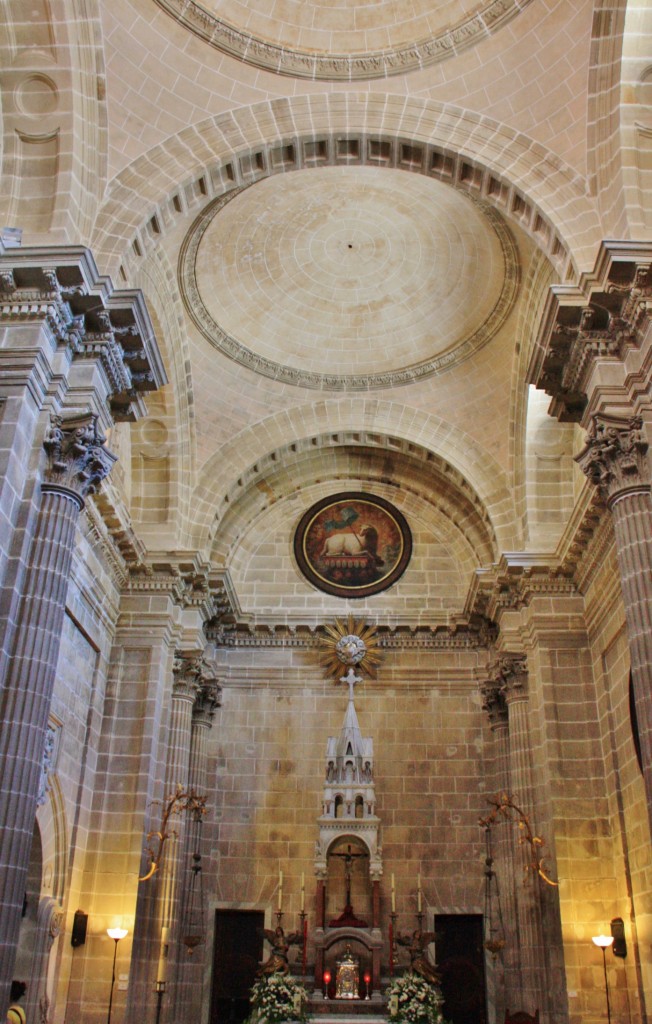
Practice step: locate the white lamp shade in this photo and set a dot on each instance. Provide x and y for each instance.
(604, 941)
(116, 933)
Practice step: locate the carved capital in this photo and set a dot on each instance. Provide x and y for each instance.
(614, 457)
(186, 672)
(509, 675)
(208, 700)
(78, 460)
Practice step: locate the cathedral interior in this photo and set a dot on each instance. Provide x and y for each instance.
(325, 514)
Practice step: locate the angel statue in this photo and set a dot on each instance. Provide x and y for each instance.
(278, 958)
(417, 944)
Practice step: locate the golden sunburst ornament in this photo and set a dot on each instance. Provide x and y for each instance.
(350, 644)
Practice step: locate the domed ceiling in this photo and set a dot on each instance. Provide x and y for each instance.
(348, 278)
(342, 39)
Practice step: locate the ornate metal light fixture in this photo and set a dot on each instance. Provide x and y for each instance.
(182, 800)
(192, 923)
(494, 929)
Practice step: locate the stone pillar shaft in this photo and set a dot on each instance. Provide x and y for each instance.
(530, 929)
(25, 705)
(615, 459)
(77, 464)
(506, 874)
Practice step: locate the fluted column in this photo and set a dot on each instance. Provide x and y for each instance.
(78, 462)
(513, 672)
(506, 995)
(615, 459)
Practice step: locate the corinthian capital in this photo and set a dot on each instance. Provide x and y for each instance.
(614, 456)
(78, 460)
(509, 675)
(186, 672)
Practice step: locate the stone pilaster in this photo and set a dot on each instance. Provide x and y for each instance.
(188, 991)
(615, 459)
(185, 686)
(506, 988)
(512, 671)
(78, 462)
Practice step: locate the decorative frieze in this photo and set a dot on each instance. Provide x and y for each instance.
(467, 636)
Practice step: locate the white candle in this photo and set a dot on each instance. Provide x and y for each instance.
(393, 895)
(419, 893)
(280, 890)
(303, 891)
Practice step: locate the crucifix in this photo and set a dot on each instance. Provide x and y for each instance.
(348, 859)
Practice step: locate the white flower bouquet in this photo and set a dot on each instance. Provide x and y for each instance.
(276, 998)
(413, 1000)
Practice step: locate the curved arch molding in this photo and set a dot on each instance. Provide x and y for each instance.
(335, 67)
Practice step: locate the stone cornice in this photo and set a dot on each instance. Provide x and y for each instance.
(602, 318)
(62, 288)
(308, 637)
(514, 581)
(189, 581)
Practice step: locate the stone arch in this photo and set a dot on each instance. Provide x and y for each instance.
(372, 420)
(470, 151)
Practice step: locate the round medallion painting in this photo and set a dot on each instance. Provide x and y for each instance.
(352, 544)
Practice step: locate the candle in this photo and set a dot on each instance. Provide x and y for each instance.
(393, 895)
(419, 893)
(303, 891)
(280, 889)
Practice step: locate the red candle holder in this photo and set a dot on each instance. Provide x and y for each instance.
(367, 980)
(327, 981)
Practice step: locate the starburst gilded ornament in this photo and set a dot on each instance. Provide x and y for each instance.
(351, 644)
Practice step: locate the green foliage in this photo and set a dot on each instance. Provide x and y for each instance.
(413, 1000)
(276, 998)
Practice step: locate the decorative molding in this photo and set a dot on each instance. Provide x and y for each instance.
(511, 585)
(309, 637)
(298, 63)
(234, 349)
(604, 317)
(62, 288)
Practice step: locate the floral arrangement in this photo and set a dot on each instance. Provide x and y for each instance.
(413, 1000)
(275, 998)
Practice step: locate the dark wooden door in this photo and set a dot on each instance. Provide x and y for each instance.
(460, 960)
(237, 952)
